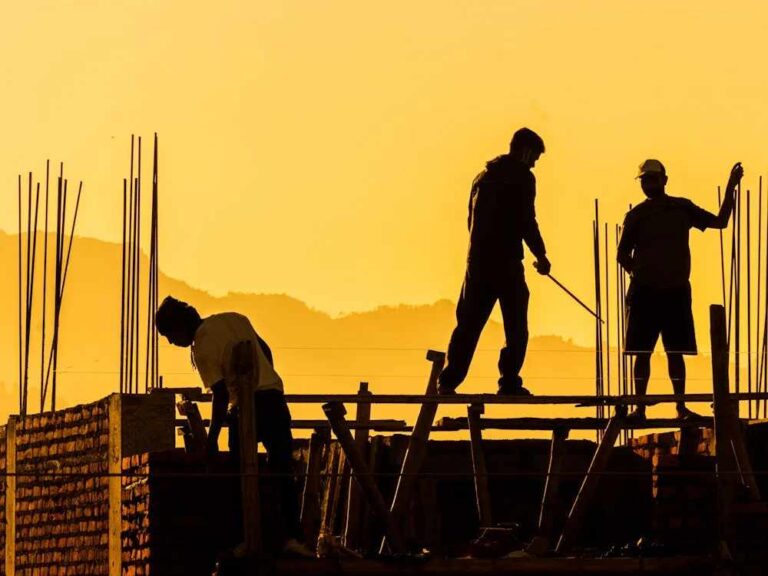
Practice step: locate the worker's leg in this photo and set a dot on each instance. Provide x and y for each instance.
(273, 421)
(472, 312)
(643, 329)
(642, 375)
(676, 366)
(679, 337)
(513, 299)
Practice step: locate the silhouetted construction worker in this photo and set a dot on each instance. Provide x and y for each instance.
(654, 250)
(213, 340)
(501, 218)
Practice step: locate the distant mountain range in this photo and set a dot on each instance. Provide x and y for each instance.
(313, 351)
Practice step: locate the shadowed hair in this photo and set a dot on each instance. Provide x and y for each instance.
(173, 313)
(526, 138)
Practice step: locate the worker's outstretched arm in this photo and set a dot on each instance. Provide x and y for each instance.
(726, 207)
(218, 414)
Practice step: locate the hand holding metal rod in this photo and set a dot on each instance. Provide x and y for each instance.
(572, 295)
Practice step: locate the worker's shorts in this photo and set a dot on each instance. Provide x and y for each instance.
(652, 312)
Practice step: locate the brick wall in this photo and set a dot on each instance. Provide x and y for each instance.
(684, 511)
(62, 508)
(62, 492)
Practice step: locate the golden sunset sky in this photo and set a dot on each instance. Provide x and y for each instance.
(325, 149)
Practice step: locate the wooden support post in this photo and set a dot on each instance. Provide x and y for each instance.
(482, 495)
(335, 412)
(10, 497)
(586, 493)
(417, 445)
(115, 469)
(310, 499)
(731, 458)
(244, 372)
(325, 536)
(540, 543)
(355, 498)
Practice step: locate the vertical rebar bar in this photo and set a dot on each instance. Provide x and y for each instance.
(45, 290)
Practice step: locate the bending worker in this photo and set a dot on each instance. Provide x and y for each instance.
(213, 340)
(654, 250)
(501, 217)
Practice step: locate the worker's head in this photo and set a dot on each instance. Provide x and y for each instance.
(653, 177)
(526, 146)
(177, 321)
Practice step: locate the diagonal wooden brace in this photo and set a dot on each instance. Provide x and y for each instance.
(335, 412)
(417, 445)
(482, 494)
(585, 496)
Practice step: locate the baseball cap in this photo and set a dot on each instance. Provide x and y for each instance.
(651, 166)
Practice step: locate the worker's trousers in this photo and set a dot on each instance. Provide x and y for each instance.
(483, 286)
(273, 429)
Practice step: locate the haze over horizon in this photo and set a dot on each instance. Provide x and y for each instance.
(326, 150)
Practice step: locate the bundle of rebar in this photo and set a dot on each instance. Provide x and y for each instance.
(27, 261)
(130, 292)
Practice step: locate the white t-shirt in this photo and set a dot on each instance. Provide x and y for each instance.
(212, 349)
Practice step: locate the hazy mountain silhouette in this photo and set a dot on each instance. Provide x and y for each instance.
(313, 351)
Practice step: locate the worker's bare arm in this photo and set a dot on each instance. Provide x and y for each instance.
(218, 415)
(726, 207)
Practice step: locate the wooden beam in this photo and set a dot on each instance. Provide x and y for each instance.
(417, 444)
(585, 496)
(580, 401)
(447, 424)
(244, 373)
(10, 496)
(482, 495)
(355, 497)
(732, 462)
(114, 499)
(552, 485)
(310, 498)
(335, 413)
(329, 494)
(583, 401)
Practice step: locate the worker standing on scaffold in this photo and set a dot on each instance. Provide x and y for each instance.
(213, 340)
(654, 250)
(501, 217)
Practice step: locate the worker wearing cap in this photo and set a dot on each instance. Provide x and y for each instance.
(654, 250)
(501, 217)
(213, 340)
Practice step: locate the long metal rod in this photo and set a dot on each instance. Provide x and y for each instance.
(765, 317)
(572, 295)
(20, 326)
(749, 302)
(45, 289)
(156, 182)
(722, 252)
(129, 285)
(607, 315)
(122, 289)
(137, 284)
(759, 355)
(59, 257)
(737, 324)
(31, 258)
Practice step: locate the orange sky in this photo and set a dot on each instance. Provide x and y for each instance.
(325, 149)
